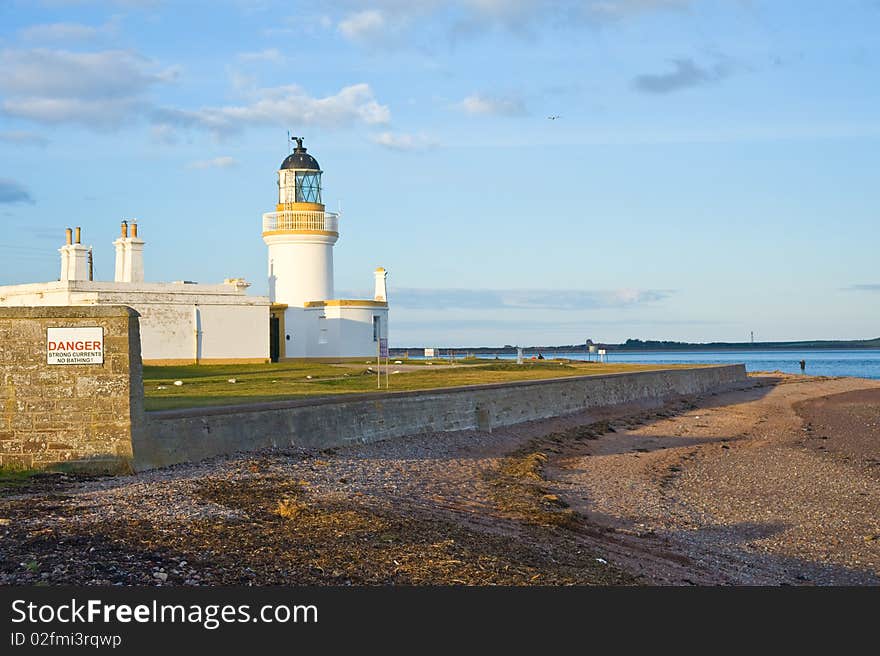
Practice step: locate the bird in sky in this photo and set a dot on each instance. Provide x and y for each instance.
(553, 117)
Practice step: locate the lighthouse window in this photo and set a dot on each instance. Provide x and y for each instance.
(308, 187)
(376, 328)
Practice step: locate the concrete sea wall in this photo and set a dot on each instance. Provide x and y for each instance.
(176, 436)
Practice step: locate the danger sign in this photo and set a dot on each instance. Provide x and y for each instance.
(75, 345)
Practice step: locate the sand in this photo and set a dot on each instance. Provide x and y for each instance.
(775, 482)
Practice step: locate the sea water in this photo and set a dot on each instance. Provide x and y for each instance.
(863, 363)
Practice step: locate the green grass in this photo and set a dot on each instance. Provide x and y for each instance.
(11, 477)
(209, 384)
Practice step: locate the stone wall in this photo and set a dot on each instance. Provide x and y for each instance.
(175, 436)
(82, 417)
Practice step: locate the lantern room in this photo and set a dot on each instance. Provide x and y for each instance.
(299, 180)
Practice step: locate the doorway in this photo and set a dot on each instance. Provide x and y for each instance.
(274, 338)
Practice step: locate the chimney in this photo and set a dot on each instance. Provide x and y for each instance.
(65, 255)
(119, 245)
(74, 258)
(134, 256)
(380, 294)
(129, 255)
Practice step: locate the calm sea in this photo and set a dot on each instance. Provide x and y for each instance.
(864, 363)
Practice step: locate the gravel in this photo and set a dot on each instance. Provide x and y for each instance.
(730, 488)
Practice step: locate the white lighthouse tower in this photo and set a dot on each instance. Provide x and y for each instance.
(306, 321)
(300, 234)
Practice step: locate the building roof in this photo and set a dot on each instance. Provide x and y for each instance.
(300, 159)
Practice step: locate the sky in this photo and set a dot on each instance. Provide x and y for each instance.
(713, 169)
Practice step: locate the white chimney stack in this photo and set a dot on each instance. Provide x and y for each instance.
(119, 245)
(74, 257)
(129, 254)
(381, 293)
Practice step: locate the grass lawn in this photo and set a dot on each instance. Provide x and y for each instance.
(209, 384)
(12, 478)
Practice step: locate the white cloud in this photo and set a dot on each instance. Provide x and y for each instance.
(403, 142)
(388, 22)
(106, 89)
(99, 113)
(304, 23)
(523, 299)
(20, 138)
(481, 104)
(268, 55)
(285, 105)
(164, 134)
(99, 89)
(60, 73)
(366, 25)
(223, 162)
(391, 24)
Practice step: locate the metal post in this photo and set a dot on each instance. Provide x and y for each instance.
(196, 333)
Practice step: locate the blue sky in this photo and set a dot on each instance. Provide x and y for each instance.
(713, 170)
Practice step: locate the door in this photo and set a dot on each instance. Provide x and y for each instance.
(274, 337)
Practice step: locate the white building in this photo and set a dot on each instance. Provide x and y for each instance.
(184, 322)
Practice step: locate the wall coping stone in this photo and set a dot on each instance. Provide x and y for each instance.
(67, 312)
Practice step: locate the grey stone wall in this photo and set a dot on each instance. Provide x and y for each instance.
(80, 417)
(176, 436)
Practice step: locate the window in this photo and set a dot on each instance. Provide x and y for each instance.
(377, 331)
(308, 187)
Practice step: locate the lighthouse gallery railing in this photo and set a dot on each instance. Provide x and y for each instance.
(305, 220)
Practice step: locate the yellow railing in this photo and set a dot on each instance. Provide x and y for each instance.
(306, 220)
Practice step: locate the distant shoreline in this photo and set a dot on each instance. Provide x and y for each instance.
(639, 346)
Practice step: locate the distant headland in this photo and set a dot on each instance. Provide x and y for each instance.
(657, 345)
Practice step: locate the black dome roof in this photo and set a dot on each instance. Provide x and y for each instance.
(300, 159)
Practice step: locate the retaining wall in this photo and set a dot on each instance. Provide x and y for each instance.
(176, 436)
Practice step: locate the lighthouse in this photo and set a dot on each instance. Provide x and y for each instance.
(300, 234)
(305, 319)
